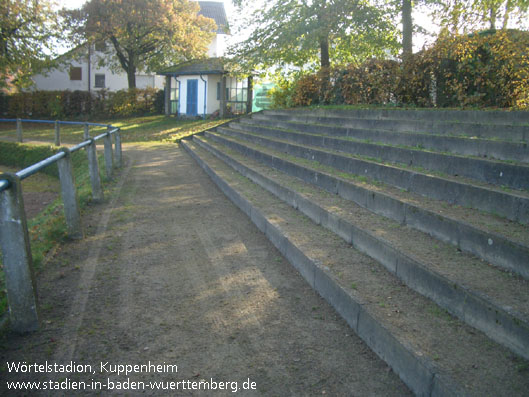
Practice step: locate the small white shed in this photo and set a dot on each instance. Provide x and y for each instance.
(203, 87)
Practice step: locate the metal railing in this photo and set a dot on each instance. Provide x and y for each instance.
(14, 240)
(57, 124)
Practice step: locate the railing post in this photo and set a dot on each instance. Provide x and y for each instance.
(109, 157)
(19, 131)
(14, 240)
(93, 167)
(69, 196)
(117, 149)
(57, 134)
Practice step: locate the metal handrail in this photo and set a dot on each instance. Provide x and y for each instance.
(58, 121)
(34, 168)
(14, 240)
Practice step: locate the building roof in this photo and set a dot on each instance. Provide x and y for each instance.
(215, 10)
(198, 66)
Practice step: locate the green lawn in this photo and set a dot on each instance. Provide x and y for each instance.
(134, 129)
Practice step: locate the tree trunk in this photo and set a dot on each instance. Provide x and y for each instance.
(324, 52)
(131, 76)
(492, 13)
(407, 29)
(127, 62)
(323, 35)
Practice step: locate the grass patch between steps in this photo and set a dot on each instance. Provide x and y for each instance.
(401, 166)
(418, 147)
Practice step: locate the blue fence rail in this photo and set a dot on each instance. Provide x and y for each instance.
(14, 240)
(56, 123)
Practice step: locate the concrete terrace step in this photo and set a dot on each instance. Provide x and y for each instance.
(387, 242)
(498, 173)
(443, 223)
(487, 148)
(507, 132)
(471, 116)
(513, 206)
(432, 352)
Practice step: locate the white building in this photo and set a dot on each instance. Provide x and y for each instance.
(203, 87)
(83, 72)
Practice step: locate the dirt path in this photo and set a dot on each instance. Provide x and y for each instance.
(172, 273)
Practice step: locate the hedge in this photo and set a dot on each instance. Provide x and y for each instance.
(486, 69)
(79, 104)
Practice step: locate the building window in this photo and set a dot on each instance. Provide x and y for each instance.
(100, 81)
(101, 46)
(76, 73)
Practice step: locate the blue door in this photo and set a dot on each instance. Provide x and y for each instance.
(192, 97)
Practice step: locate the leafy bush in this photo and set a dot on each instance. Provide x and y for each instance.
(21, 156)
(373, 82)
(487, 69)
(77, 104)
(306, 90)
(281, 95)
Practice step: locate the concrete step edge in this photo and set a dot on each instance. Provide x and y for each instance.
(469, 306)
(502, 252)
(515, 176)
(481, 130)
(510, 206)
(464, 146)
(498, 117)
(420, 374)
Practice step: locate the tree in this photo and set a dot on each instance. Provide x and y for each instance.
(146, 34)
(407, 29)
(27, 32)
(302, 33)
(462, 16)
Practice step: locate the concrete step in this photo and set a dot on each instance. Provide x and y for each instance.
(504, 244)
(455, 190)
(445, 282)
(471, 116)
(515, 176)
(432, 352)
(506, 132)
(486, 148)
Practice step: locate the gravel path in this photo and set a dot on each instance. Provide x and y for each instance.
(171, 274)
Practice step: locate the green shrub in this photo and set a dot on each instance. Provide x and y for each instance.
(486, 69)
(281, 95)
(21, 156)
(373, 82)
(53, 105)
(132, 102)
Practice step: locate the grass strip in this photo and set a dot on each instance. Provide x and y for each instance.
(48, 228)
